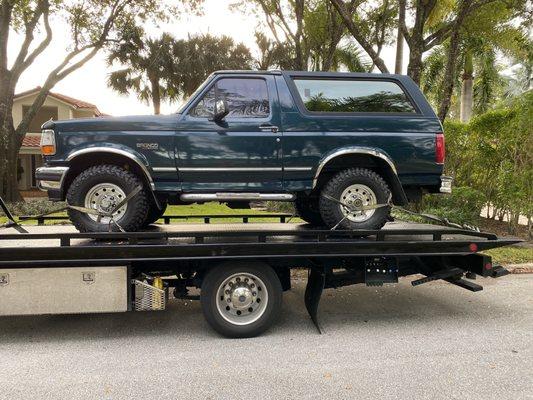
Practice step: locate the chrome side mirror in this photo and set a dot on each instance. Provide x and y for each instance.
(221, 110)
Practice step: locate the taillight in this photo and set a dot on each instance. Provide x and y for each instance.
(440, 149)
(48, 142)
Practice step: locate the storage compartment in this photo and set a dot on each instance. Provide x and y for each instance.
(63, 290)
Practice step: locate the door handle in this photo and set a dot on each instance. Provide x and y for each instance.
(268, 128)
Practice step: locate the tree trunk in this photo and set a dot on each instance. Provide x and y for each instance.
(9, 144)
(398, 66)
(449, 75)
(156, 95)
(414, 69)
(467, 89)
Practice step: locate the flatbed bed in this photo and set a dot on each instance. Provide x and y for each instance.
(226, 262)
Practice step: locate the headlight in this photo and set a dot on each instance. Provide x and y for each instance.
(48, 142)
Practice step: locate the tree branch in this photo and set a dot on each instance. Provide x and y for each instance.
(358, 35)
(23, 61)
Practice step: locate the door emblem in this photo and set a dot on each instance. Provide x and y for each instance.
(148, 146)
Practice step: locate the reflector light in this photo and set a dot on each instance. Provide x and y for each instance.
(440, 149)
(473, 247)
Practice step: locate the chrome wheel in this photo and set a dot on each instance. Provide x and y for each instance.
(357, 196)
(242, 298)
(104, 197)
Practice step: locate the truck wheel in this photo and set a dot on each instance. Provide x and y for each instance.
(154, 213)
(308, 209)
(241, 299)
(102, 187)
(357, 186)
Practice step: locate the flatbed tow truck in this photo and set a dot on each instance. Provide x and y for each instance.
(237, 271)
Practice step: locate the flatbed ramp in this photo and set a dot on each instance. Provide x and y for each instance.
(240, 270)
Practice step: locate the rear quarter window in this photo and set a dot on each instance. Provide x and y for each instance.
(353, 96)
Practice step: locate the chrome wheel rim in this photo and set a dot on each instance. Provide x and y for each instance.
(242, 298)
(356, 196)
(104, 197)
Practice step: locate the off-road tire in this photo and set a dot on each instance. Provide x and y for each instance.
(154, 213)
(308, 209)
(209, 297)
(138, 206)
(331, 211)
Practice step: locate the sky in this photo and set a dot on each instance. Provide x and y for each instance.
(89, 82)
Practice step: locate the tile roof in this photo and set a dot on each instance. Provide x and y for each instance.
(31, 141)
(76, 103)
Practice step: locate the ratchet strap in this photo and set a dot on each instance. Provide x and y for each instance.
(99, 214)
(428, 217)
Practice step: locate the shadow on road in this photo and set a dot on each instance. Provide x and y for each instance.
(349, 307)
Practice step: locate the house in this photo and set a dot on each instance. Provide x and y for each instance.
(57, 106)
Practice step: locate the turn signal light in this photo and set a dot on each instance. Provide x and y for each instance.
(48, 142)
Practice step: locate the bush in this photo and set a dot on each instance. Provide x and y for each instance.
(463, 206)
(33, 207)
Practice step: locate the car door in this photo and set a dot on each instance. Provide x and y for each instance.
(240, 153)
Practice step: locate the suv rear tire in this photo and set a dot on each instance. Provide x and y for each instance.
(357, 186)
(102, 186)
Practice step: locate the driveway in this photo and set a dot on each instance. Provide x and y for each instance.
(435, 341)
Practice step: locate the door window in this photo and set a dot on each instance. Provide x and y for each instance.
(246, 98)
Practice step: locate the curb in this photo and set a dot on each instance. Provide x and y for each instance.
(526, 268)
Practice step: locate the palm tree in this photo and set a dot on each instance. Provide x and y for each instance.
(149, 69)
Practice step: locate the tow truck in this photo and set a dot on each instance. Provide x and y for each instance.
(237, 271)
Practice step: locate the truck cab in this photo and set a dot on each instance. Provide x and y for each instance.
(343, 147)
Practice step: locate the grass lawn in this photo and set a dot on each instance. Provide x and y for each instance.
(511, 255)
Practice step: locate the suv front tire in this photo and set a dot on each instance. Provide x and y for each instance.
(102, 187)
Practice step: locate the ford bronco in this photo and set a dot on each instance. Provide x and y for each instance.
(342, 146)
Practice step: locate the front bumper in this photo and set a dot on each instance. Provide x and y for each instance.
(50, 178)
(446, 184)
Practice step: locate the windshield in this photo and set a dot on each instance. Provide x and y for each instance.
(181, 110)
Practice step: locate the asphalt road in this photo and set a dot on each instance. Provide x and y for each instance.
(435, 341)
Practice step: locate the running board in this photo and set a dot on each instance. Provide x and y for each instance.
(192, 197)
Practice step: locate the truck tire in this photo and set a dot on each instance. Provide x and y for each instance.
(355, 186)
(154, 213)
(308, 209)
(241, 300)
(100, 187)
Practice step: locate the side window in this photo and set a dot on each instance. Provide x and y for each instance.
(246, 98)
(351, 96)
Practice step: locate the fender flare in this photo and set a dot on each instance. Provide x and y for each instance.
(397, 187)
(137, 159)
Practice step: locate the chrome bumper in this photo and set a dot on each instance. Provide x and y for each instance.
(446, 184)
(50, 178)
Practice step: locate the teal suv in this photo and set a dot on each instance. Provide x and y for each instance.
(342, 146)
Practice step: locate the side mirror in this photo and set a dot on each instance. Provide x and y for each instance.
(221, 110)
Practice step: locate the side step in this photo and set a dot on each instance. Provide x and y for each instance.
(192, 197)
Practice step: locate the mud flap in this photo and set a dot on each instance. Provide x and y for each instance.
(313, 292)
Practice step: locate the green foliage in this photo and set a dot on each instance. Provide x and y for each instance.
(493, 155)
(462, 206)
(168, 69)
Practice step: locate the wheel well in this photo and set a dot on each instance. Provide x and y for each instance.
(368, 161)
(84, 161)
